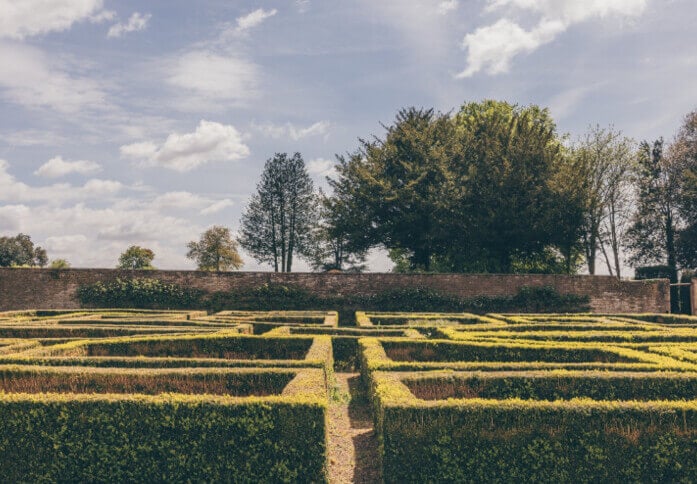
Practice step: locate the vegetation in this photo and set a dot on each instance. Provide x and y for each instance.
(136, 258)
(20, 251)
(215, 251)
(59, 264)
(277, 223)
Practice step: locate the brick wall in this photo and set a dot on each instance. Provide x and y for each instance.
(53, 289)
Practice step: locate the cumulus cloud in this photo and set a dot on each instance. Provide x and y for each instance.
(135, 23)
(289, 130)
(183, 152)
(57, 167)
(13, 190)
(492, 48)
(26, 18)
(447, 6)
(216, 207)
(30, 78)
(209, 78)
(253, 19)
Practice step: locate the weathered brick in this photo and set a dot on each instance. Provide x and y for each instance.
(55, 289)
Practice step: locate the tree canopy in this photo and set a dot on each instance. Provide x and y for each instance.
(136, 258)
(20, 251)
(279, 221)
(216, 250)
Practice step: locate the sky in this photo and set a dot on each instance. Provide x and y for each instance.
(146, 122)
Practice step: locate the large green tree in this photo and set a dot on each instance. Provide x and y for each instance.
(20, 251)
(136, 258)
(216, 250)
(478, 191)
(279, 221)
(684, 153)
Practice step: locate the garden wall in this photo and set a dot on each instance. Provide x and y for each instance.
(693, 297)
(55, 289)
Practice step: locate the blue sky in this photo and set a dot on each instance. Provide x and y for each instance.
(146, 122)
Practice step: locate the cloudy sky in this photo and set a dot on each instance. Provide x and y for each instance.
(145, 122)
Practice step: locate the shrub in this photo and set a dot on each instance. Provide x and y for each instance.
(138, 293)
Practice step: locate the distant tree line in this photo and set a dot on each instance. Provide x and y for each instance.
(490, 188)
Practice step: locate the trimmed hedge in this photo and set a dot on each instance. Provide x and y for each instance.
(152, 293)
(553, 385)
(581, 440)
(166, 438)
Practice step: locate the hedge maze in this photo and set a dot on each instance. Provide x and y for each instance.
(243, 396)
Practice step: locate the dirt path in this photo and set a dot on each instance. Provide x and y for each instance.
(352, 444)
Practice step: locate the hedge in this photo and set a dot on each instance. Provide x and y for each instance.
(166, 438)
(458, 356)
(553, 385)
(580, 440)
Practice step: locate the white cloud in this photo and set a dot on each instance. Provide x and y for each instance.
(492, 48)
(209, 78)
(289, 130)
(13, 190)
(253, 19)
(25, 18)
(64, 243)
(447, 6)
(136, 23)
(57, 167)
(302, 5)
(179, 200)
(30, 78)
(32, 137)
(321, 167)
(216, 207)
(183, 152)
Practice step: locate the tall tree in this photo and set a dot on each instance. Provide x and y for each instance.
(651, 237)
(397, 186)
(136, 258)
(332, 246)
(21, 251)
(684, 153)
(278, 222)
(606, 162)
(216, 250)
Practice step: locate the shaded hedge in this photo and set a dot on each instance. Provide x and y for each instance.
(152, 293)
(53, 438)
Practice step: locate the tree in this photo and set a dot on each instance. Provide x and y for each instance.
(684, 153)
(651, 237)
(136, 258)
(20, 251)
(279, 221)
(215, 251)
(606, 162)
(331, 246)
(464, 193)
(59, 264)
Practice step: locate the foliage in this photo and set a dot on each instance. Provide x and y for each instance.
(331, 247)
(469, 193)
(653, 229)
(20, 251)
(277, 224)
(136, 258)
(138, 293)
(69, 438)
(59, 264)
(605, 163)
(684, 152)
(215, 251)
(653, 272)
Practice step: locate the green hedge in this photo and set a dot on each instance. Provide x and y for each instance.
(462, 440)
(88, 438)
(554, 385)
(152, 293)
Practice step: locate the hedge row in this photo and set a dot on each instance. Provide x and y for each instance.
(553, 385)
(166, 438)
(152, 293)
(581, 440)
